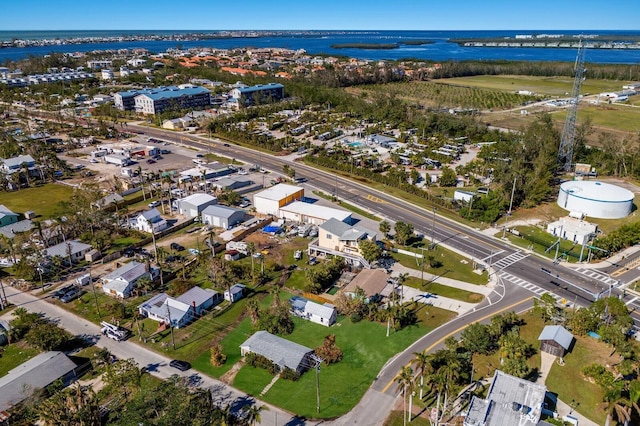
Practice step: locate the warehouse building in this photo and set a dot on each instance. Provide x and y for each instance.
(313, 214)
(222, 216)
(194, 205)
(272, 199)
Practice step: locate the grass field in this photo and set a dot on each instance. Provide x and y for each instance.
(608, 116)
(444, 290)
(42, 199)
(342, 384)
(567, 381)
(14, 355)
(454, 265)
(554, 86)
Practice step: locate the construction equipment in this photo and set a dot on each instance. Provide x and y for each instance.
(114, 332)
(565, 153)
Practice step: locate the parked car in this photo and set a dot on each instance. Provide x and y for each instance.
(154, 204)
(180, 365)
(129, 252)
(61, 291)
(194, 252)
(199, 156)
(176, 247)
(71, 295)
(151, 161)
(227, 145)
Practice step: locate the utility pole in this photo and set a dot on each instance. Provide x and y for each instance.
(173, 340)
(555, 258)
(433, 230)
(95, 296)
(506, 219)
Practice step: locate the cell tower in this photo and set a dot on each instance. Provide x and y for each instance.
(565, 153)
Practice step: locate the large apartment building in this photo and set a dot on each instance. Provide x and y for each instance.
(157, 100)
(262, 93)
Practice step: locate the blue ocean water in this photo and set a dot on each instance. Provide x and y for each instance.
(320, 42)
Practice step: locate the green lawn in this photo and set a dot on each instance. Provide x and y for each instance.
(444, 290)
(14, 355)
(342, 384)
(396, 419)
(610, 116)
(557, 86)
(567, 381)
(454, 265)
(42, 199)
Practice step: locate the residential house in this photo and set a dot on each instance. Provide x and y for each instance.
(555, 340)
(340, 239)
(282, 352)
(222, 216)
(73, 249)
(7, 217)
(325, 314)
(151, 221)
(235, 293)
(37, 373)
(510, 401)
(17, 164)
(110, 201)
(182, 310)
(194, 205)
(373, 282)
(123, 280)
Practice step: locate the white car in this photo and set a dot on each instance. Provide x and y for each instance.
(93, 160)
(154, 204)
(194, 252)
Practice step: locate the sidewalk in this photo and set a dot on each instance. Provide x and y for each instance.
(421, 296)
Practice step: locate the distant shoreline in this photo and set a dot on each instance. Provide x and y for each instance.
(380, 46)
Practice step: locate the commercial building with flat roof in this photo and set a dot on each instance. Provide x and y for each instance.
(314, 214)
(261, 93)
(271, 199)
(156, 100)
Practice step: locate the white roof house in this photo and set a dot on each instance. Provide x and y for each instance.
(14, 164)
(272, 199)
(510, 401)
(320, 314)
(181, 310)
(194, 204)
(282, 352)
(314, 214)
(151, 221)
(123, 280)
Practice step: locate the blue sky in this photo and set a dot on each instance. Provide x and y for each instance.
(324, 14)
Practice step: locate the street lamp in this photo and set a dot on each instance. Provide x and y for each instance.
(506, 219)
(433, 232)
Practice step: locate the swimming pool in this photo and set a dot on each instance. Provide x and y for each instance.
(355, 144)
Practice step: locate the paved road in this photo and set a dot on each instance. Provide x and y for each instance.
(153, 362)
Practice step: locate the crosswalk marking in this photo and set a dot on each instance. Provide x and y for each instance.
(509, 260)
(596, 275)
(538, 291)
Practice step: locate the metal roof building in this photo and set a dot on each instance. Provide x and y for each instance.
(510, 401)
(555, 340)
(282, 352)
(194, 204)
(271, 199)
(314, 214)
(37, 373)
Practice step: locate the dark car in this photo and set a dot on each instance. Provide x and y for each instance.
(180, 365)
(227, 145)
(176, 247)
(62, 291)
(71, 295)
(129, 252)
(199, 156)
(150, 161)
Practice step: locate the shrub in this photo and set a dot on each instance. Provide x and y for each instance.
(289, 374)
(218, 357)
(258, 361)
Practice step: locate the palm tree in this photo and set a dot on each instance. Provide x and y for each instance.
(251, 248)
(253, 414)
(422, 362)
(616, 406)
(405, 383)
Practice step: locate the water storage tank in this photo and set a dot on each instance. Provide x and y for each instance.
(596, 199)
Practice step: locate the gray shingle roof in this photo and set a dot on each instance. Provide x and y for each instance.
(196, 294)
(344, 231)
(63, 249)
(129, 272)
(558, 334)
(282, 352)
(36, 373)
(10, 230)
